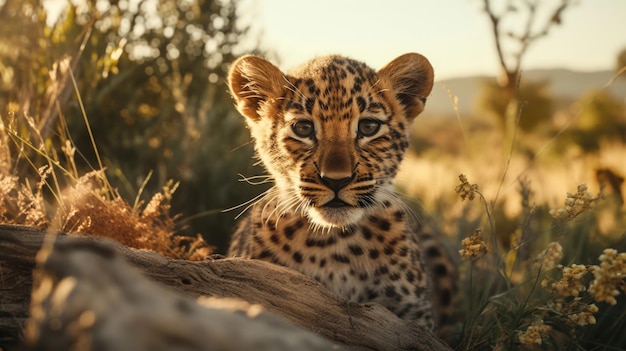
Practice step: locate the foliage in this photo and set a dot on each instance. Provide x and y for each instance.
(601, 117)
(601, 114)
(518, 296)
(620, 62)
(150, 76)
(535, 97)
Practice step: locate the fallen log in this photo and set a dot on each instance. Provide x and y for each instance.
(99, 264)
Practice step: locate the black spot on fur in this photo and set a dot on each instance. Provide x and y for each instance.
(360, 101)
(367, 234)
(398, 216)
(271, 225)
(356, 250)
(346, 233)
(374, 253)
(381, 223)
(309, 106)
(382, 270)
(265, 254)
(330, 241)
(258, 239)
(289, 231)
(322, 263)
(340, 258)
(297, 256)
(371, 294)
(403, 251)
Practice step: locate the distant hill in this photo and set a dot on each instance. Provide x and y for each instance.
(564, 84)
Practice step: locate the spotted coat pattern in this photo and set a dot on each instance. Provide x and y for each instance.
(332, 134)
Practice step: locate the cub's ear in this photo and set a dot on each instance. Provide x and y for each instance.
(411, 78)
(253, 81)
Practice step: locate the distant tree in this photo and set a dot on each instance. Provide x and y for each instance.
(620, 65)
(602, 118)
(602, 114)
(513, 44)
(538, 102)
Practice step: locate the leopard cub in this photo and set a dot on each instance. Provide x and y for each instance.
(332, 134)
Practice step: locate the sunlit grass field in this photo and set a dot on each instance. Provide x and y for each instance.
(542, 241)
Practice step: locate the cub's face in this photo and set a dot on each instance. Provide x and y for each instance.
(333, 132)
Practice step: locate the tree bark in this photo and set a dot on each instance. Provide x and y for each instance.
(87, 293)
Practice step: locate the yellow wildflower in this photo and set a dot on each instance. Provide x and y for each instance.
(534, 333)
(549, 257)
(576, 204)
(609, 276)
(585, 317)
(571, 284)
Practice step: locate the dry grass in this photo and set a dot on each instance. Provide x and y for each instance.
(543, 255)
(61, 199)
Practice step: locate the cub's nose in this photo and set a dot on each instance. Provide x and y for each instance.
(335, 184)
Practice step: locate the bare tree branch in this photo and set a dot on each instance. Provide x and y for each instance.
(527, 37)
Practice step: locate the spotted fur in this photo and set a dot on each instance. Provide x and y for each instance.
(332, 135)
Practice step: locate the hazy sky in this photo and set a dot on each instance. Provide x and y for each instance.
(454, 34)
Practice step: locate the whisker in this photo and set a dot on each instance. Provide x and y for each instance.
(251, 201)
(250, 180)
(294, 89)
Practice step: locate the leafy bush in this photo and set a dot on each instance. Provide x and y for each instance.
(150, 81)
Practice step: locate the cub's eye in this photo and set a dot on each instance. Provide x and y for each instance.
(369, 127)
(303, 128)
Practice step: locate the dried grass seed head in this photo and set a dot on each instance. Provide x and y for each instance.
(576, 203)
(465, 189)
(473, 246)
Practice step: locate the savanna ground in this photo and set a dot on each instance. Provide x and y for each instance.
(139, 149)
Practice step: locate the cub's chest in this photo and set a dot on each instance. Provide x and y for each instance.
(374, 260)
